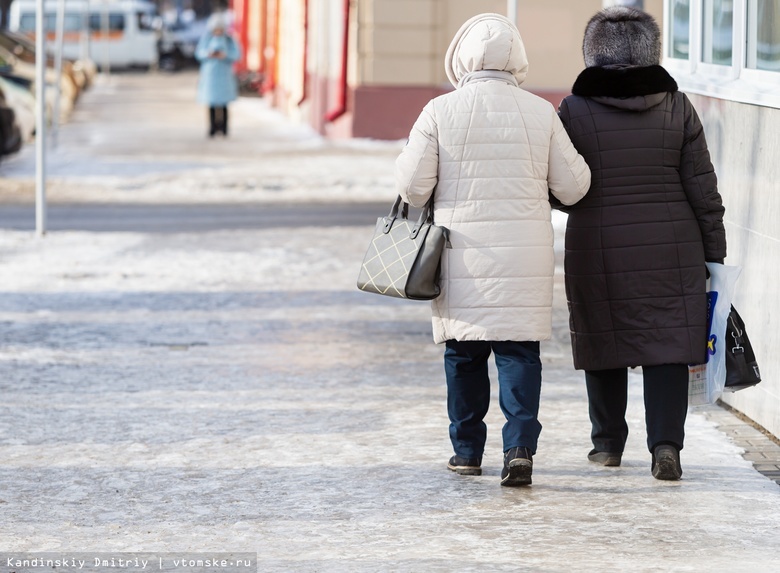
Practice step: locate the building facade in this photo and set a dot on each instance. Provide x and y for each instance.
(726, 55)
(365, 68)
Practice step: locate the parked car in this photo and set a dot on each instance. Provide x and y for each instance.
(22, 101)
(176, 47)
(26, 71)
(82, 71)
(10, 136)
(17, 88)
(122, 33)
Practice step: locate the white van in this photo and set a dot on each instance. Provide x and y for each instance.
(121, 32)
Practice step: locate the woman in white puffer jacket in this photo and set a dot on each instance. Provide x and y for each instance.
(492, 151)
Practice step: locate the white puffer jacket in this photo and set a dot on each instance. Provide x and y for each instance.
(491, 151)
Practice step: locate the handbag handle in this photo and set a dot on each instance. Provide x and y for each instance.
(394, 211)
(390, 219)
(427, 214)
(736, 334)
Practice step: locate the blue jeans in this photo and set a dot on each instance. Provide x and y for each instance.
(468, 393)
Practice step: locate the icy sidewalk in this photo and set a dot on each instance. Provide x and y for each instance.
(234, 392)
(141, 138)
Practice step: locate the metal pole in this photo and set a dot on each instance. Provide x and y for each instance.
(511, 10)
(58, 41)
(40, 120)
(85, 24)
(105, 37)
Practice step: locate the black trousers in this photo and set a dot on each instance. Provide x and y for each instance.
(218, 119)
(666, 406)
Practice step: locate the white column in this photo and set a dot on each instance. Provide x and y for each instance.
(58, 41)
(511, 10)
(85, 33)
(104, 25)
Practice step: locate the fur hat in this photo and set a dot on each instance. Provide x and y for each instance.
(621, 35)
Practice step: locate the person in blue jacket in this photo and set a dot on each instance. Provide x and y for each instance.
(217, 51)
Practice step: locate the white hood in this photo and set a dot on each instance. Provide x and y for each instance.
(486, 42)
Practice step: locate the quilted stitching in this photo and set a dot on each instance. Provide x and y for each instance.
(636, 245)
(491, 170)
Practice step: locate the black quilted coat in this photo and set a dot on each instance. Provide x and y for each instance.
(637, 243)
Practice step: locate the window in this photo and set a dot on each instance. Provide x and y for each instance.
(763, 46)
(718, 32)
(679, 29)
(97, 22)
(146, 20)
(27, 23)
(725, 48)
(71, 23)
(74, 22)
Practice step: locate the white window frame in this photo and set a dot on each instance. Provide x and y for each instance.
(736, 82)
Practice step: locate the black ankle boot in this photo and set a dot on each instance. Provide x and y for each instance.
(518, 467)
(666, 463)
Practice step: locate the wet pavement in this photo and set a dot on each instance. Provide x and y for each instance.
(231, 390)
(190, 218)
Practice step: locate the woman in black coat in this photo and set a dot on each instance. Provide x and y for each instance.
(636, 245)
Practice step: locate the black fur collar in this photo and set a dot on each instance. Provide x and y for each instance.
(623, 82)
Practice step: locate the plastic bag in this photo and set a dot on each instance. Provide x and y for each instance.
(706, 381)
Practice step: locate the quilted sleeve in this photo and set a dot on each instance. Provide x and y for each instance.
(701, 185)
(416, 169)
(568, 176)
